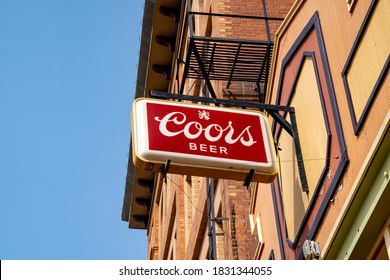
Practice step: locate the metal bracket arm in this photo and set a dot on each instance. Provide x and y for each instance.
(165, 169)
(273, 110)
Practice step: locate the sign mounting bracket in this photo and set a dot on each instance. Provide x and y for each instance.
(249, 177)
(165, 169)
(273, 110)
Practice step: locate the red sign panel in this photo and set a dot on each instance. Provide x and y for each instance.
(208, 136)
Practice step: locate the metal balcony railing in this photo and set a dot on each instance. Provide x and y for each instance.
(230, 59)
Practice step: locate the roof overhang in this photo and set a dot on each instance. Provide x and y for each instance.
(159, 29)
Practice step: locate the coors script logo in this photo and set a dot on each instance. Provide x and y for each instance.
(216, 132)
(193, 129)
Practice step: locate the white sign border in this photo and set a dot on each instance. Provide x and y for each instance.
(142, 151)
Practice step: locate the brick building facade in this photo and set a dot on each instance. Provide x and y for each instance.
(329, 199)
(177, 218)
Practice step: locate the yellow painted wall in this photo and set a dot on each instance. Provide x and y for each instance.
(370, 57)
(340, 29)
(313, 137)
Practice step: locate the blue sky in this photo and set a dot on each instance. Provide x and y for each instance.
(67, 81)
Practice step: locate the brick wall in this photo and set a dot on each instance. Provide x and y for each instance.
(253, 29)
(241, 243)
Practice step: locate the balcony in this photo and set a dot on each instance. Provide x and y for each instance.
(242, 54)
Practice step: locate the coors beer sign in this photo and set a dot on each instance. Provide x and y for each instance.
(202, 140)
